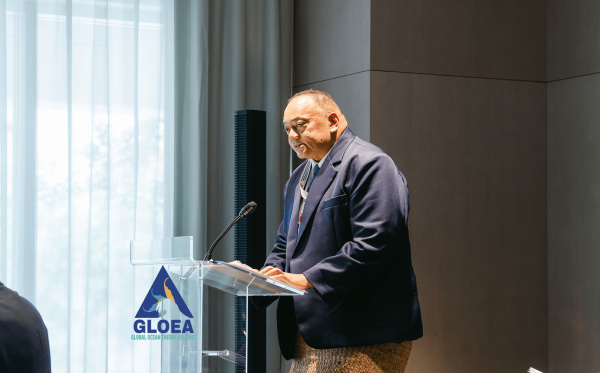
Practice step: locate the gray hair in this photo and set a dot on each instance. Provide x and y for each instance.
(322, 99)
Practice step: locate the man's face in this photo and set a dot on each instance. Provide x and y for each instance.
(309, 131)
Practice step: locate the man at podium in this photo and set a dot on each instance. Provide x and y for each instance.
(344, 239)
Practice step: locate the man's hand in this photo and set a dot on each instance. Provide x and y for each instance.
(296, 280)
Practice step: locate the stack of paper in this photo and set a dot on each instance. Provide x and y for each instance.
(242, 265)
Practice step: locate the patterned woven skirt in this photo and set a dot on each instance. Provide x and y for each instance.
(382, 358)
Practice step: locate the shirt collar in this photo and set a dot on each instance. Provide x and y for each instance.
(322, 159)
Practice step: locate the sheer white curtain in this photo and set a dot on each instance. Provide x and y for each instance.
(86, 164)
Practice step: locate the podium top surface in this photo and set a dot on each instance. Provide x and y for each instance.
(227, 277)
(237, 280)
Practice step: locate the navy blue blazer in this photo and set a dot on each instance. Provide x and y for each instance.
(24, 344)
(353, 247)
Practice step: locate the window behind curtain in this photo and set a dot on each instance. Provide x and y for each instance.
(85, 164)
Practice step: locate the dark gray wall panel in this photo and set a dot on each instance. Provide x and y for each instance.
(573, 38)
(483, 38)
(574, 224)
(474, 154)
(331, 39)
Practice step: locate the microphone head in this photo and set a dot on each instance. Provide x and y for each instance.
(248, 209)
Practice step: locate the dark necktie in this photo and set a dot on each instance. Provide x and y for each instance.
(313, 177)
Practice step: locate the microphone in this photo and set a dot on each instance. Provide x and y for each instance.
(248, 209)
(245, 211)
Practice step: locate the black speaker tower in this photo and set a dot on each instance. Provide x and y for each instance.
(250, 233)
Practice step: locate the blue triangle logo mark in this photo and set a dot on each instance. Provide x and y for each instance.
(162, 290)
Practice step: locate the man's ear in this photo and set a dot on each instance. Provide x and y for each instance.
(334, 120)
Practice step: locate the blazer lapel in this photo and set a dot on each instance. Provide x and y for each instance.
(293, 225)
(317, 190)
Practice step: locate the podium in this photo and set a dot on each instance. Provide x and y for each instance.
(172, 324)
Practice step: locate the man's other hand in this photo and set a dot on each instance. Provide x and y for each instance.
(296, 280)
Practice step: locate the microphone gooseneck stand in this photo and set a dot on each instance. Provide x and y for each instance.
(245, 211)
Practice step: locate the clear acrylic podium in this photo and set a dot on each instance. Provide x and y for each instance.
(162, 341)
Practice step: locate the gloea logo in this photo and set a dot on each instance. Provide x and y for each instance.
(162, 291)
